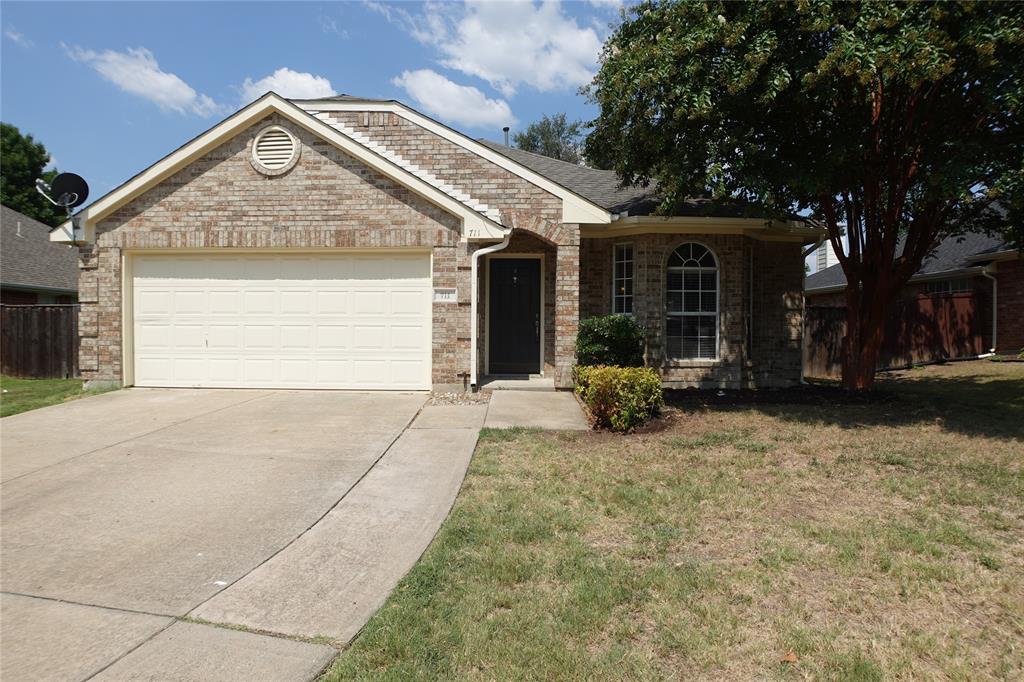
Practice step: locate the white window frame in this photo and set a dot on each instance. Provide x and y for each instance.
(615, 280)
(717, 314)
(943, 287)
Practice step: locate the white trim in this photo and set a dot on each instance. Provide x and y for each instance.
(474, 303)
(487, 305)
(473, 223)
(632, 276)
(127, 319)
(755, 228)
(575, 209)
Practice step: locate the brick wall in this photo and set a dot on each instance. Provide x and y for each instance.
(1010, 306)
(331, 200)
(327, 200)
(770, 358)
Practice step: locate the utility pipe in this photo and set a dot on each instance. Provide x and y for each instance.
(987, 273)
(474, 294)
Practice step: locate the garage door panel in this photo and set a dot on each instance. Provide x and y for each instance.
(187, 337)
(332, 302)
(224, 302)
(311, 321)
(260, 337)
(332, 337)
(407, 337)
(151, 336)
(260, 302)
(297, 302)
(408, 303)
(224, 371)
(370, 303)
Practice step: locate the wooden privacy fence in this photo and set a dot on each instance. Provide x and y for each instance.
(919, 329)
(39, 341)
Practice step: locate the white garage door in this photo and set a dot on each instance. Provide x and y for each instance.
(358, 321)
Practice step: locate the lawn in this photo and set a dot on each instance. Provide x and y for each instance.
(860, 540)
(21, 395)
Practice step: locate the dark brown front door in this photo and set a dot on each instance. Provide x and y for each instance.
(514, 332)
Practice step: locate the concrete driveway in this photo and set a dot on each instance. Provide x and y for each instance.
(131, 520)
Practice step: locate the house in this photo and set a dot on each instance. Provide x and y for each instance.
(33, 270)
(964, 301)
(356, 243)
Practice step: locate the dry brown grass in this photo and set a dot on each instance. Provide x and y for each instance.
(874, 540)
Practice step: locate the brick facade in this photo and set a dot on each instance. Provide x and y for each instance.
(759, 344)
(331, 200)
(1010, 306)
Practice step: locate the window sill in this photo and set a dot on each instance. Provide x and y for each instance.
(694, 362)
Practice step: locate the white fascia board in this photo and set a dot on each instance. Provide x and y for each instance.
(575, 209)
(758, 228)
(474, 225)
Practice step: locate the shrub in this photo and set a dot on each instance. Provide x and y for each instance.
(610, 340)
(620, 398)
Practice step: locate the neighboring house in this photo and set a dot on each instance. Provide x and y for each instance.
(825, 256)
(33, 270)
(967, 299)
(354, 243)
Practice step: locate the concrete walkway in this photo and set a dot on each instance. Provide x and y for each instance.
(554, 411)
(289, 512)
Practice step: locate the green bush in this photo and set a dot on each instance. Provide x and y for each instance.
(610, 340)
(619, 398)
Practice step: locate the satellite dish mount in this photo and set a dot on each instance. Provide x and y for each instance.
(69, 191)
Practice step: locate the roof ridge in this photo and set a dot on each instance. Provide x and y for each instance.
(583, 166)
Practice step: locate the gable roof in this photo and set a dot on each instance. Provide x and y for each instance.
(955, 254)
(474, 222)
(576, 208)
(28, 259)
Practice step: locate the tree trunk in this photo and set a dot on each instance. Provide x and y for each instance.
(865, 325)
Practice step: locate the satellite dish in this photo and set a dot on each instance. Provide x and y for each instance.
(69, 190)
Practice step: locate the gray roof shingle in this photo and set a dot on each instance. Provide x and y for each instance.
(602, 188)
(952, 254)
(29, 259)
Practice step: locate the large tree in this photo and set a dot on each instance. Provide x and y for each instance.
(552, 136)
(22, 160)
(901, 120)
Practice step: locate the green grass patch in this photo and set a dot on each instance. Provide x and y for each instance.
(863, 538)
(22, 395)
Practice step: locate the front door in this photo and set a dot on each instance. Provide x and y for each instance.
(514, 330)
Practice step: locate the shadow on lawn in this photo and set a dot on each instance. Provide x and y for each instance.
(982, 406)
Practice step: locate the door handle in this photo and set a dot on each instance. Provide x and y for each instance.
(536, 325)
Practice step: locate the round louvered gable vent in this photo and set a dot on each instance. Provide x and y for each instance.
(274, 151)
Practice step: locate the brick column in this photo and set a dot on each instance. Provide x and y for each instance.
(567, 303)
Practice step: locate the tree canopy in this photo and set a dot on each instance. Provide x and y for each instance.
(22, 162)
(901, 120)
(552, 136)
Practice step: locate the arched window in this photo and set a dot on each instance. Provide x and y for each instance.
(691, 303)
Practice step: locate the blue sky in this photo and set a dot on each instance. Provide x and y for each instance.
(110, 88)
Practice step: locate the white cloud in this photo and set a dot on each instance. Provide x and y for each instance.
(606, 4)
(507, 44)
(18, 38)
(136, 71)
(288, 83)
(330, 25)
(453, 102)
